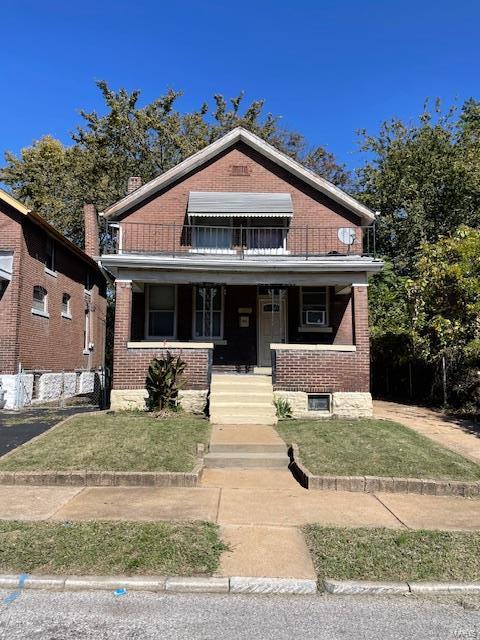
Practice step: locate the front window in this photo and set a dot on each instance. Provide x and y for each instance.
(208, 312)
(314, 306)
(213, 235)
(161, 311)
(39, 300)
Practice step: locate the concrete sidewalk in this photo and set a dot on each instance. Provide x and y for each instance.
(259, 512)
(452, 433)
(252, 498)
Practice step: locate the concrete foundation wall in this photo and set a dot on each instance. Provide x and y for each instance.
(343, 405)
(191, 400)
(18, 389)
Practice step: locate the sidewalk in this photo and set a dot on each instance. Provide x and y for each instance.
(259, 512)
(450, 432)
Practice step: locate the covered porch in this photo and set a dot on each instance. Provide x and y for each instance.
(240, 321)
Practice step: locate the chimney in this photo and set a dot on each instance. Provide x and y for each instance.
(92, 244)
(134, 182)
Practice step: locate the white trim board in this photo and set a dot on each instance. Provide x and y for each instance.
(239, 134)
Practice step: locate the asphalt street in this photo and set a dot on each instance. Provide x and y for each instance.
(143, 616)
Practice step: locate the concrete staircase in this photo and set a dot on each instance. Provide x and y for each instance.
(246, 447)
(242, 399)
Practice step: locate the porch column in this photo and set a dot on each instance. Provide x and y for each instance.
(361, 333)
(123, 323)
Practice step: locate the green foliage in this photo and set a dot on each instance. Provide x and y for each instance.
(129, 139)
(445, 296)
(424, 178)
(163, 382)
(283, 408)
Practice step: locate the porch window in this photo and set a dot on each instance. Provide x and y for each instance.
(161, 311)
(208, 312)
(314, 307)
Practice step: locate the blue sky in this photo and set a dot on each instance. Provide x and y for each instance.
(329, 68)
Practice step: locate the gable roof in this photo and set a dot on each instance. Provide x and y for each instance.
(47, 227)
(240, 135)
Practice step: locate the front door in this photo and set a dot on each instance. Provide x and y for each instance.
(272, 326)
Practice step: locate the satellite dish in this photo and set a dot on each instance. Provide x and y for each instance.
(347, 235)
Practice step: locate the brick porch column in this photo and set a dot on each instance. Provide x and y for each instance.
(123, 322)
(361, 334)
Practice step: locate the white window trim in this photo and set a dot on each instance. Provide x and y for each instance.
(148, 336)
(218, 339)
(86, 341)
(41, 312)
(68, 313)
(312, 327)
(51, 273)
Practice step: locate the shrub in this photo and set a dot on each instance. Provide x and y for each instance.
(283, 408)
(164, 382)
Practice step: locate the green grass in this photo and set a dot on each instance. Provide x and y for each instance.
(125, 441)
(102, 548)
(373, 447)
(383, 554)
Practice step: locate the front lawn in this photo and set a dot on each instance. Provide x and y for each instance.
(375, 448)
(124, 441)
(385, 554)
(104, 548)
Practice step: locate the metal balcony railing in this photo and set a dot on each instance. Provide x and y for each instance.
(240, 241)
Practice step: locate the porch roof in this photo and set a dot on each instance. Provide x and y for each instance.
(218, 203)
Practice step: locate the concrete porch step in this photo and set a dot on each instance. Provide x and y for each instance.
(241, 396)
(241, 420)
(246, 460)
(247, 447)
(241, 381)
(241, 407)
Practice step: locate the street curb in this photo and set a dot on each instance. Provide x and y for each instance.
(173, 584)
(379, 484)
(85, 478)
(370, 588)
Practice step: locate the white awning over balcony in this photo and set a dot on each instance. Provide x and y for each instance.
(209, 204)
(6, 263)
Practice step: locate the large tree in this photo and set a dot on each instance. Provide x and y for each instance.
(129, 139)
(423, 178)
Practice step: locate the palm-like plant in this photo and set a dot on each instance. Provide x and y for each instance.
(164, 382)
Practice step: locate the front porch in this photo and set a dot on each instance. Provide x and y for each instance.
(313, 339)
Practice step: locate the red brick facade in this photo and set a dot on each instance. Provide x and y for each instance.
(329, 371)
(315, 221)
(131, 365)
(53, 343)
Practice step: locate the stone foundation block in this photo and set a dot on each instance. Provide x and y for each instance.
(127, 399)
(352, 405)
(193, 400)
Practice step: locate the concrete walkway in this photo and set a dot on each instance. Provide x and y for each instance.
(259, 512)
(455, 434)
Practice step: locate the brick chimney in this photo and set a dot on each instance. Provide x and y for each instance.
(134, 183)
(92, 242)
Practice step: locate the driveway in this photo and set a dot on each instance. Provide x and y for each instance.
(18, 427)
(462, 436)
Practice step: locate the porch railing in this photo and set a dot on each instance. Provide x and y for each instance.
(240, 241)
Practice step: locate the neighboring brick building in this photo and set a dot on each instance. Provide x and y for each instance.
(52, 310)
(238, 259)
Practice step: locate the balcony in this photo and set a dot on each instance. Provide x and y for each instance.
(240, 241)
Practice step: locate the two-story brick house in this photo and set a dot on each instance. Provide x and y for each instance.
(244, 262)
(52, 310)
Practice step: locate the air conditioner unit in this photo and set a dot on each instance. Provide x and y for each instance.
(316, 317)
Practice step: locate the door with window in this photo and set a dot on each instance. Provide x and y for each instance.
(272, 325)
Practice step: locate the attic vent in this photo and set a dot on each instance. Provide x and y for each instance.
(239, 170)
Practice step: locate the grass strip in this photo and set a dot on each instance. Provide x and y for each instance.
(385, 554)
(104, 548)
